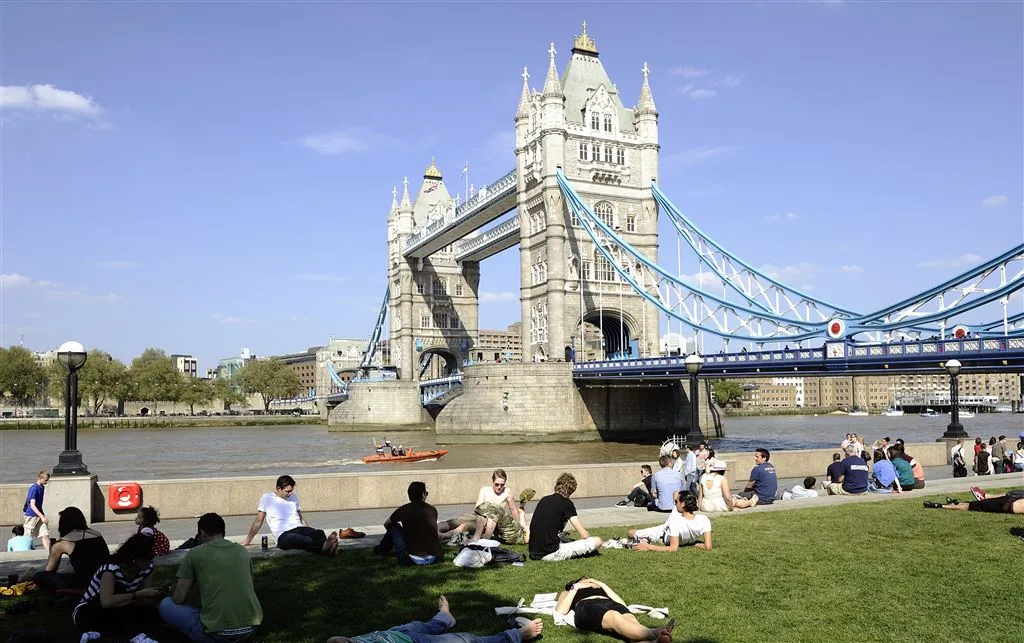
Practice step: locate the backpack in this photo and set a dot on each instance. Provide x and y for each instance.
(959, 466)
(982, 466)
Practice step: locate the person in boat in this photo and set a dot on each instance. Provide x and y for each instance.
(497, 514)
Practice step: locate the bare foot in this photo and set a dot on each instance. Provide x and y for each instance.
(532, 629)
(442, 605)
(666, 632)
(331, 543)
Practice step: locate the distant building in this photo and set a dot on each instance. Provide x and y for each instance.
(228, 367)
(45, 358)
(304, 365)
(186, 364)
(499, 345)
(676, 344)
(343, 357)
(798, 387)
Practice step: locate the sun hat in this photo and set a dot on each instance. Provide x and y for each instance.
(714, 464)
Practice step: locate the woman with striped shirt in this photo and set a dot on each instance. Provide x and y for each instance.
(120, 600)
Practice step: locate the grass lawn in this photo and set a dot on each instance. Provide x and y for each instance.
(860, 572)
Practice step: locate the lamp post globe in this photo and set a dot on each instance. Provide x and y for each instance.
(72, 356)
(955, 430)
(694, 363)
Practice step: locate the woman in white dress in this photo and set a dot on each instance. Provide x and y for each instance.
(713, 491)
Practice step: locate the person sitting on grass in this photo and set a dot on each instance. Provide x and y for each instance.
(599, 609)
(833, 470)
(19, 541)
(713, 488)
(884, 478)
(665, 484)
(915, 466)
(763, 483)
(289, 527)
(904, 470)
(803, 490)
(412, 530)
(683, 527)
(496, 512)
(84, 547)
(1012, 502)
(549, 520)
(640, 493)
(146, 519)
(121, 600)
(222, 572)
(853, 478)
(436, 631)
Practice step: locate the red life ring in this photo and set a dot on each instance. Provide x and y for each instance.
(124, 496)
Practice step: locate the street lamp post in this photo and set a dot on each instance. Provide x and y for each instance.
(72, 357)
(693, 364)
(955, 430)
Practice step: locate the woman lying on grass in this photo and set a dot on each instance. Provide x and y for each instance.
(599, 609)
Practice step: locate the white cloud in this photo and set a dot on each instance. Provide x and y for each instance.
(788, 274)
(319, 277)
(688, 72)
(118, 264)
(731, 82)
(14, 280)
(47, 98)
(994, 201)
(785, 216)
(489, 297)
(340, 141)
(696, 155)
(500, 145)
(954, 262)
(851, 269)
(702, 94)
(703, 279)
(228, 319)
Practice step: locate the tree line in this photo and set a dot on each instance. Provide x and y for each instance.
(151, 377)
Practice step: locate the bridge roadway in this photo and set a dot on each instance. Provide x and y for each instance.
(594, 513)
(834, 358)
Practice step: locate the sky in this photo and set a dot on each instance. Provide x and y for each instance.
(203, 177)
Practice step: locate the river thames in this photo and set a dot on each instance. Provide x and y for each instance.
(150, 454)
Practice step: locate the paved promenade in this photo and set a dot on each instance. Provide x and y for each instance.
(594, 512)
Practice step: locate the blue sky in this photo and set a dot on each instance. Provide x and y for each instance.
(203, 177)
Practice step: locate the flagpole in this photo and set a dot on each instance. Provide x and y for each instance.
(465, 172)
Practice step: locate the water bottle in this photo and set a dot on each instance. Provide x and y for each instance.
(263, 544)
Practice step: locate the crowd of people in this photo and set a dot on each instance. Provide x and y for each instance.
(114, 594)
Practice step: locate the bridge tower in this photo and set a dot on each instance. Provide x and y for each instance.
(434, 308)
(570, 295)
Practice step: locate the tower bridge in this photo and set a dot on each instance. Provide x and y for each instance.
(585, 191)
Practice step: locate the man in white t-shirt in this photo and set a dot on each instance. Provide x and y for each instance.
(801, 491)
(683, 527)
(282, 511)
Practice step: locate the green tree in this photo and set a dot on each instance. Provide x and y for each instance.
(22, 380)
(155, 378)
(100, 380)
(229, 392)
(271, 379)
(727, 392)
(196, 391)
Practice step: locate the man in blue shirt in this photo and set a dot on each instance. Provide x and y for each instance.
(690, 470)
(36, 523)
(664, 485)
(853, 480)
(763, 483)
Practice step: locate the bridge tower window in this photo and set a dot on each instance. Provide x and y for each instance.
(630, 223)
(620, 156)
(458, 288)
(607, 123)
(606, 213)
(419, 286)
(607, 154)
(424, 321)
(595, 121)
(440, 287)
(603, 270)
(584, 151)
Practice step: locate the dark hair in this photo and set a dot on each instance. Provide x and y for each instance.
(212, 524)
(18, 530)
(646, 467)
(285, 481)
(499, 473)
(899, 441)
(689, 501)
(836, 457)
(417, 491)
(70, 519)
(764, 453)
(665, 461)
(136, 547)
(568, 586)
(886, 438)
(711, 452)
(566, 484)
(149, 516)
(879, 455)
(896, 450)
(809, 482)
(977, 440)
(992, 440)
(1002, 437)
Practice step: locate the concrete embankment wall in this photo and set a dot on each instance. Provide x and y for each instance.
(391, 404)
(372, 489)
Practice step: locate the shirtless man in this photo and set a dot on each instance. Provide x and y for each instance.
(497, 512)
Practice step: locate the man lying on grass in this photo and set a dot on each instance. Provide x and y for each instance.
(683, 527)
(436, 631)
(1011, 503)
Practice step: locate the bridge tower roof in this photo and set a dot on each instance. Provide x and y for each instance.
(583, 76)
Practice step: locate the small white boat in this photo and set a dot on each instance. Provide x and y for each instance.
(966, 414)
(929, 413)
(894, 411)
(857, 413)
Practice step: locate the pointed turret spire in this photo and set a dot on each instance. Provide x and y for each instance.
(406, 203)
(646, 103)
(394, 198)
(552, 86)
(524, 98)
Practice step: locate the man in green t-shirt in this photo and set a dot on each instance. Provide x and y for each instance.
(222, 570)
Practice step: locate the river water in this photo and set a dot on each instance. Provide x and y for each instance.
(150, 454)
